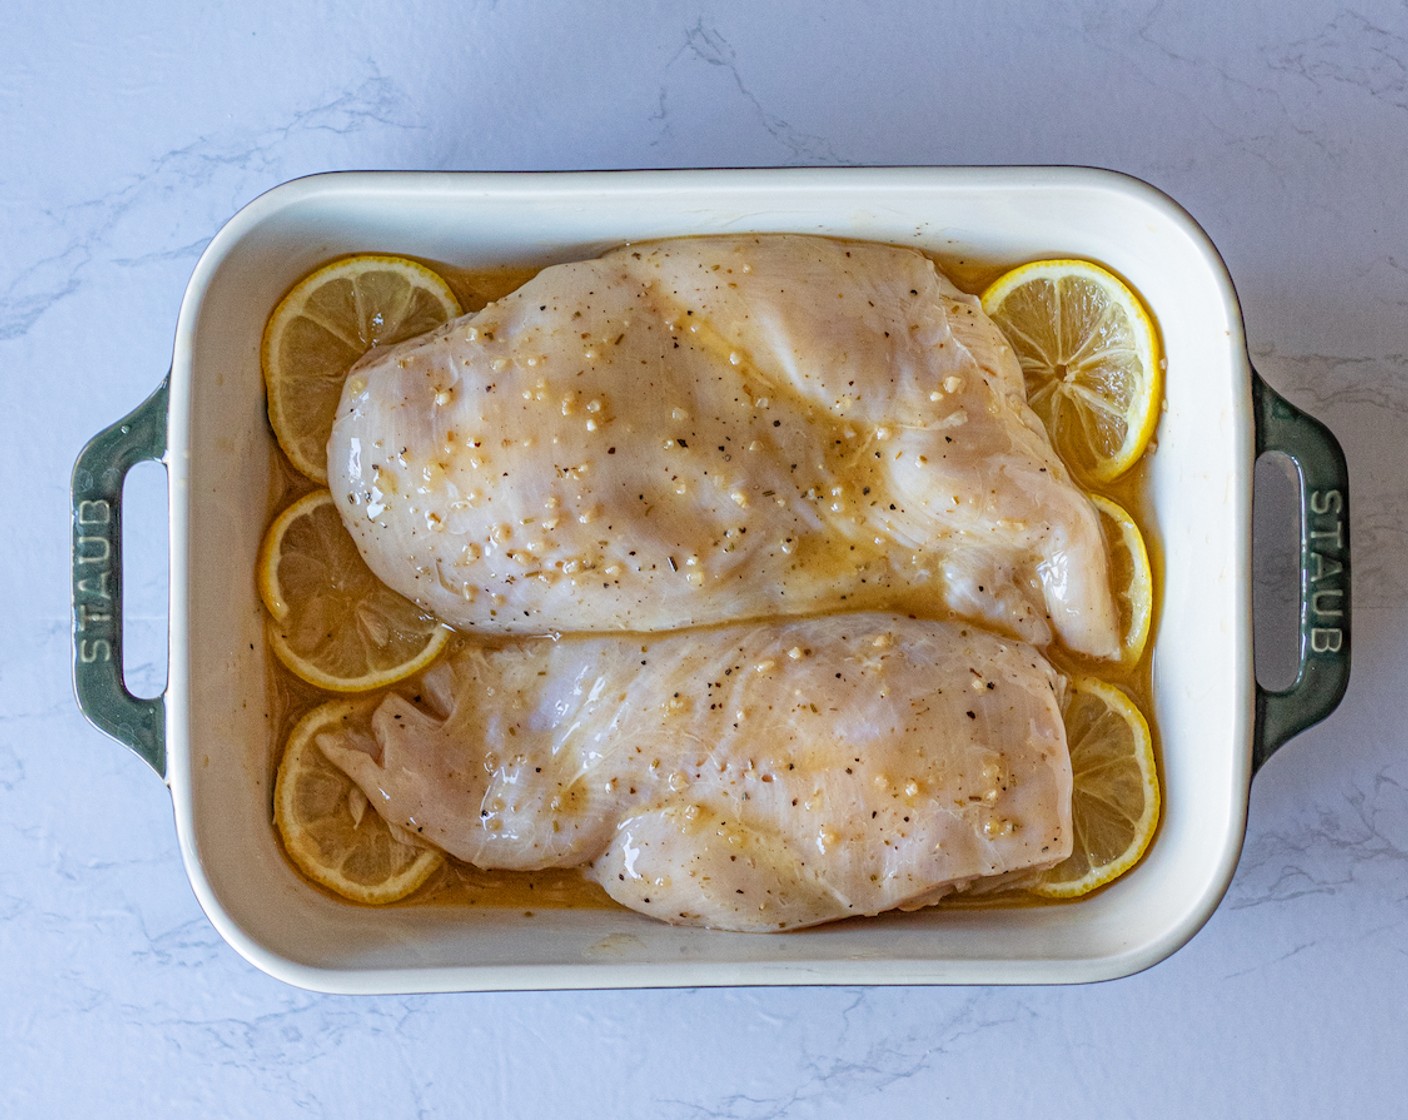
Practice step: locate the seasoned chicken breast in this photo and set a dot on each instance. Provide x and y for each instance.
(712, 429)
(749, 777)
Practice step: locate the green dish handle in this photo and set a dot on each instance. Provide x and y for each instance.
(1323, 477)
(1321, 678)
(98, 476)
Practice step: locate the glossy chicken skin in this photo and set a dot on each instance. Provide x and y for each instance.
(713, 429)
(750, 777)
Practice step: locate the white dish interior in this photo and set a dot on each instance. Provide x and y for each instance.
(1201, 478)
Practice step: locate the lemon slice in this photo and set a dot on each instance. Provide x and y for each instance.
(332, 622)
(328, 827)
(330, 319)
(1090, 355)
(1115, 802)
(1130, 576)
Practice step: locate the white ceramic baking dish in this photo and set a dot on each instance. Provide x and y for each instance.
(209, 739)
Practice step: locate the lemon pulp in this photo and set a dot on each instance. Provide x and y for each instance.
(1115, 795)
(1090, 356)
(329, 830)
(324, 325)
(331, 621)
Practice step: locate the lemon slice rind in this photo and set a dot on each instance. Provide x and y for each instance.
(1136, 596)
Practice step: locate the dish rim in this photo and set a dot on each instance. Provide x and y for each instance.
(598, 974)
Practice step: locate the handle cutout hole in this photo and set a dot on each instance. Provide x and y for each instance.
(145, 580)
(1276, 535)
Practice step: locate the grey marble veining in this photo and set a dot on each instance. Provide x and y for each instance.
(129, 138)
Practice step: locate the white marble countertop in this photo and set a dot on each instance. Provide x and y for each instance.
(130, 136)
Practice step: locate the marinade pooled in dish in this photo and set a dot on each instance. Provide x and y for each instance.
(759, 557)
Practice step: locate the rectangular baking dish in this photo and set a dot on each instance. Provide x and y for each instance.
(208, 735)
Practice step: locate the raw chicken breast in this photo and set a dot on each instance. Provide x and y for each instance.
(714, 429)
(751, 777)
